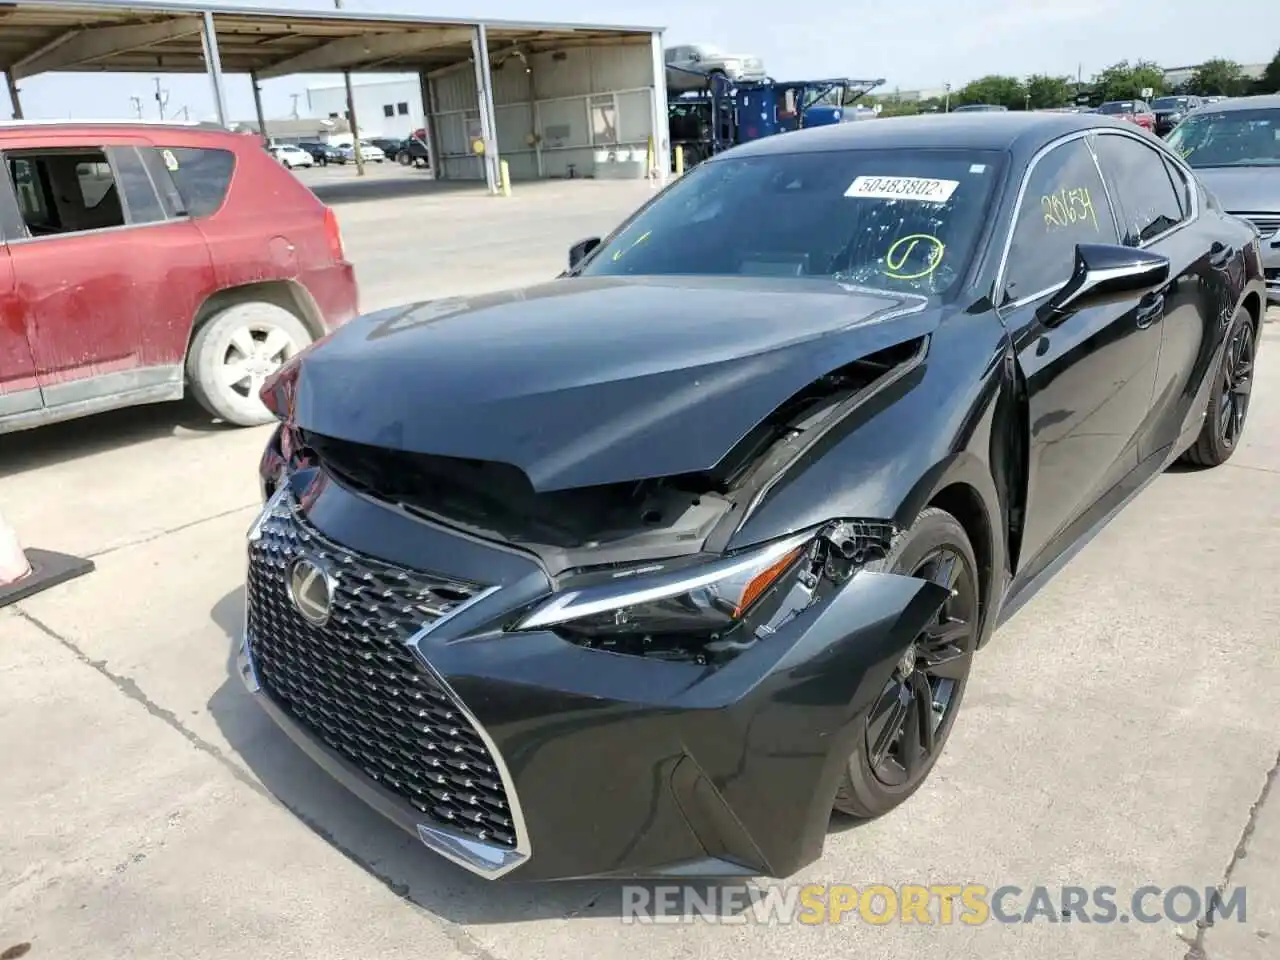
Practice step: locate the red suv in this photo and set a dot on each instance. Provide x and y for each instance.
(138, 261)
(1135, 111)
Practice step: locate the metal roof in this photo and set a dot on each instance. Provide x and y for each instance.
(38, 36)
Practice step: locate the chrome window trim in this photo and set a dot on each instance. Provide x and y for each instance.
(997, 288)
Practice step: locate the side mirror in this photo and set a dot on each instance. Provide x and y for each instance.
(1105, 273)
(581, 250)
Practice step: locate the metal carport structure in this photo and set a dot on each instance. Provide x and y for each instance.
(40, 36)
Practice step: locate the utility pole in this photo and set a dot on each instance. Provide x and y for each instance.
(351, 115)
(946, 107)
(137, 106)
(162, 98)
(295, 97)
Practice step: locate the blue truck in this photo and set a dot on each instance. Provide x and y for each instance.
(725, 114)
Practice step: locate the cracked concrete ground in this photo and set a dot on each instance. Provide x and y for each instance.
(1119, 731)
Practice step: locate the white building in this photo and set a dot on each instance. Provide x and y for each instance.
(567, 111)
(389, 106)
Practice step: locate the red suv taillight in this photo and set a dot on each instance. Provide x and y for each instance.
(333, 234)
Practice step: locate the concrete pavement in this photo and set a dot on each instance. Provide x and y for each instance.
(1120, 730)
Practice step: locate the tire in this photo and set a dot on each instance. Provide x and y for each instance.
(1228, 408)
(883, 771)
(404, 159)
(228, 339)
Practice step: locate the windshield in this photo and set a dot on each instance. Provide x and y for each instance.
(1118, 106)
(903, 220)
(1169, 103)
(1229, 138)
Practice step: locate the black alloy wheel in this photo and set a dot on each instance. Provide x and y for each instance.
(907, 726)
(1228, 407)
(1236, 384)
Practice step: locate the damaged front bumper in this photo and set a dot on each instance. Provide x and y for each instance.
(530, 756)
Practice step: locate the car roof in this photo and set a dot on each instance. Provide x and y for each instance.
(1264, 101)
(1019, 132)
(190, 132)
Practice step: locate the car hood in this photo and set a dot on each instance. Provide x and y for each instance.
(586, 381)
(1244, 189)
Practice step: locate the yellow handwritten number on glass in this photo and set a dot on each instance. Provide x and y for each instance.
(896, 259)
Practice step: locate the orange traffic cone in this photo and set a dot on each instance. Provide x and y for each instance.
(27, 572)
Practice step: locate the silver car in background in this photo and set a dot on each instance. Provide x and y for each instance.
(1234, 148)
(689, 66)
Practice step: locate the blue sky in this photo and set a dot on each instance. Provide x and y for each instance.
(922, 43)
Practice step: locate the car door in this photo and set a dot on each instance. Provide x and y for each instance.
(1157, 206)
(19, 387)
(109, 278)
(1088, 379)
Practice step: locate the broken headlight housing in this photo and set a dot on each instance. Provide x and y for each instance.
(708, 609)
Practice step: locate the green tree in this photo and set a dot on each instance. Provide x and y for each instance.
(1005, 91)
(1045, 91)
(1269, 82)
(1218, 78)
(1126, 81)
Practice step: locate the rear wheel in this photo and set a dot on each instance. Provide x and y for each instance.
(235, 351)
(907, 725)
(1228, 408)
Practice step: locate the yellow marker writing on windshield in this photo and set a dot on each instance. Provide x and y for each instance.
(617, 254)
(900, 253)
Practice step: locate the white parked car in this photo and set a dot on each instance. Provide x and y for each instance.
(688, 66)
(292, 156)
(368, 151)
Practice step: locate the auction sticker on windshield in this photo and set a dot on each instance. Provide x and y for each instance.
(903, 188)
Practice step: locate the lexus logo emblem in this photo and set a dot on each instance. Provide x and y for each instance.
(310, 591)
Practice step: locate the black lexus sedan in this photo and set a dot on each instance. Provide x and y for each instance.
(641, 571)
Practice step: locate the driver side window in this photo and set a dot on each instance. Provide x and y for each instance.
(1064, 204)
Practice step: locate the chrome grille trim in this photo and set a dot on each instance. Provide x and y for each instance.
(361, 685)
(1268, 224)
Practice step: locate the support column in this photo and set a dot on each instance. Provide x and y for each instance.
(429, 125)
(257, 103)
(213, 63)
(351, 114)
(355, 127)
(484, 95)
(661, 125)
(13, 95)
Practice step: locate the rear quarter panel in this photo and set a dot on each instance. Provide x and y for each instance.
(269, 227)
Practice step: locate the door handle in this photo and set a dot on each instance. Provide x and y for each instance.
(1149, 311)
(1220, 255)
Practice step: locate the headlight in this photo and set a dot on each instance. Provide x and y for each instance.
(703, 599)
(723, 606)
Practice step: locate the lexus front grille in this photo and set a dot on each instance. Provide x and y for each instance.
(357, 684)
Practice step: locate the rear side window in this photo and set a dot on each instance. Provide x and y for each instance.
(1144, 192)
(202, 176)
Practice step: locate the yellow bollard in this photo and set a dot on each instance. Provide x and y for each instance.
(504, 175)
(679, 160)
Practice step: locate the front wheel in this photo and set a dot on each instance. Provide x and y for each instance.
(234, 352)
(1228, 407)
(904, 730)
